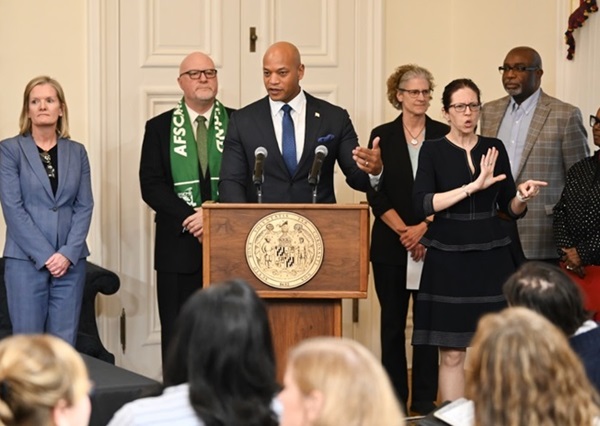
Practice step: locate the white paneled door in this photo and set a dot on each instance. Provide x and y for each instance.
(141, 43)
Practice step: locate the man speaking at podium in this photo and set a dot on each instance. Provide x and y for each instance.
(289, 125)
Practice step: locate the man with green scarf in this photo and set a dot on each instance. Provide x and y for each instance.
(179, 170)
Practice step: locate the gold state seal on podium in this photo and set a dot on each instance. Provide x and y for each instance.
(284, 250)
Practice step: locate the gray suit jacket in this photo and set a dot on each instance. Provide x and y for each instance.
(556, 140)
(39, 223)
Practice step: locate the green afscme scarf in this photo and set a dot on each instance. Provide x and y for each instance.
(184, 153)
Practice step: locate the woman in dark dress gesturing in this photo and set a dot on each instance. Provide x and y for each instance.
(464, 179)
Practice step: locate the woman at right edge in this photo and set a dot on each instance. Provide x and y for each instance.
(464, 179)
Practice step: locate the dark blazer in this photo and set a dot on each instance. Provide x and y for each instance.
(174, 250)
(396, 187)
(587, 347)
(39, 223)
(252, 126)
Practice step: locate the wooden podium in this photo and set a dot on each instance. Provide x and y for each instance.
(314, 308)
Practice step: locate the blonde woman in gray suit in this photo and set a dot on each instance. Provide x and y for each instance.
(46, 195)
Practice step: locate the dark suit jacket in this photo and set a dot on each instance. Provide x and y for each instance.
(174, 250)
(252, 126)
(396, 188)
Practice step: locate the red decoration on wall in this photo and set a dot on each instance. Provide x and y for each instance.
(576, 20)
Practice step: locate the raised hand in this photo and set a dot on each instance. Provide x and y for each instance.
(369, 160)
(487, 165)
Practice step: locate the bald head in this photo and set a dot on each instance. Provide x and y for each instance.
(284, 49)
(534, 57)
(198, 89)
(196, 61)
(282, 71)
(522, 75)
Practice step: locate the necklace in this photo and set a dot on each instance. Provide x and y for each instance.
(413, 140)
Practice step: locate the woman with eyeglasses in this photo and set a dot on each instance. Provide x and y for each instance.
(464, 179)
(46, 195)
(577, 223)
(395, 247)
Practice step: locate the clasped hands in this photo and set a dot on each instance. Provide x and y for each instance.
(410, 237)
(57, 265)
(369, 159)
(194, 224)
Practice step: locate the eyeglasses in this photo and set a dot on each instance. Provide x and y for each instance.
(463, 107)
(594, 121)
(195, 74)
(47, 160)
(517, 68)
(415, 93)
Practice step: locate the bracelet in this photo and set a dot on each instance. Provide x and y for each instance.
(521, 198)
(427, 222)
(464, 188)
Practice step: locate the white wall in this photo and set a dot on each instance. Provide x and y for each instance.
(43, 37)
(469, 38)
(40, 37)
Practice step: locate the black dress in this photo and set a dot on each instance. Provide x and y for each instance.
(468, 255)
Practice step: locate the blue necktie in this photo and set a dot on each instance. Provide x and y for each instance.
(288, 140)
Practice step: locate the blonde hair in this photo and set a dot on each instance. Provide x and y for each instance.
(62, 126)
(36, 373)
(356, 389)
(524, 373)
(401, 75)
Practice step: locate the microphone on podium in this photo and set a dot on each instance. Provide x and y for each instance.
(315, 171)
(259, 158)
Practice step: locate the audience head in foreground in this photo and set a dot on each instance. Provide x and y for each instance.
(332, 381)
(547, 290)
(43, 381)
(220, 367)
(523, 373)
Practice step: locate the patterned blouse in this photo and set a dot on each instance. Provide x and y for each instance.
(577, 214)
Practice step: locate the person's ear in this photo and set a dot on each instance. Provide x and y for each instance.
(445, 114)
(301, 72)
(59, 417)
(313, 404)
(399, 96)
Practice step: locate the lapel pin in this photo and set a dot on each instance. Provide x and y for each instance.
(317, 114)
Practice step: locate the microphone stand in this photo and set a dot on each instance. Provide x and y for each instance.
(314, 191)
(259, 192)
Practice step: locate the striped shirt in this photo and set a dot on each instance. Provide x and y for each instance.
(171, 408)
